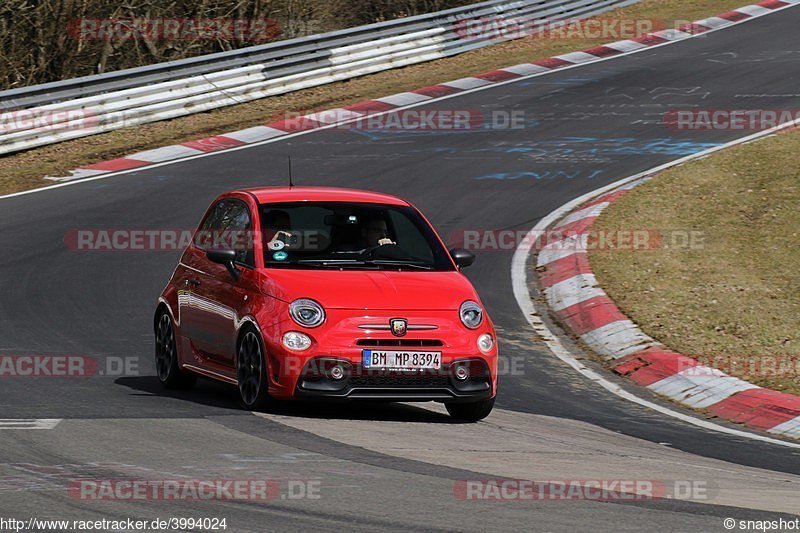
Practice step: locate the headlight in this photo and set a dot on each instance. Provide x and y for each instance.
(485, 343)
(294, 340)
(307, 313)
(471, 314)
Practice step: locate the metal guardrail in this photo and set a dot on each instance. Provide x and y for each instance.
(94, 104)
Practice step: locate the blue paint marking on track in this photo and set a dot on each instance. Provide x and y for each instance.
(575, 147)
(541, 175)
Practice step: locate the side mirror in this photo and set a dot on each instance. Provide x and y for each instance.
(463, 258)
(227, 258)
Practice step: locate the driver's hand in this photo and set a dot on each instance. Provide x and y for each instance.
(278, 237)
(281, 235)
(385, 241)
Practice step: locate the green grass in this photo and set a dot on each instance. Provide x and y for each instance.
(738, 295)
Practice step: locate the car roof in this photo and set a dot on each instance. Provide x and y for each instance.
(266, 195)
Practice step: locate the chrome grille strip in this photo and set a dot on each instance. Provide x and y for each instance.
(387, 327)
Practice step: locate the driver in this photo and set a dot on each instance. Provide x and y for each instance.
(375, 233)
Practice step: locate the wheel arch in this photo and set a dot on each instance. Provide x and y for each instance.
(160, 308)
(246, 324)
(249, 323)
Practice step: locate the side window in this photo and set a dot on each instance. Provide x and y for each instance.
(228, 225)
(207, 225)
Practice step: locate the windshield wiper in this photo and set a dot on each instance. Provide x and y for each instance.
(331, 261)
(393, 263)
(335, 263)
(358, 262)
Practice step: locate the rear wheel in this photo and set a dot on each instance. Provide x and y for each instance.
(167, 368)
(251, 372)
(471, 412)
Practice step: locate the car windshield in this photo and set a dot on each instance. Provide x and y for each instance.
(338, 235)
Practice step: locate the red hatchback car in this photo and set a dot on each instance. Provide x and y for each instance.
(326, 293)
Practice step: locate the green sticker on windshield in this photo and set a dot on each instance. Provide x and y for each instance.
(280, 256)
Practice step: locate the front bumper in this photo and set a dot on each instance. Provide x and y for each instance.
(359, 383)
(346, 335)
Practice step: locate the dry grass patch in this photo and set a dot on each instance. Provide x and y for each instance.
(739, 295)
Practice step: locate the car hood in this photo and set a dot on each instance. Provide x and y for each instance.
(347, 289)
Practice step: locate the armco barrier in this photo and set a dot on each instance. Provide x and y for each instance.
(95, 104)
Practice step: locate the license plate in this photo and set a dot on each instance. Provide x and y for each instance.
(402, 360)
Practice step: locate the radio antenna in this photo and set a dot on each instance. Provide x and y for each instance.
(291, 184)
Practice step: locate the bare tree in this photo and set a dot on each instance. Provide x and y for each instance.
(48, 40)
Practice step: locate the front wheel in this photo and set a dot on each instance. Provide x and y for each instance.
(167, 368)
(471, 412)
(251, 372)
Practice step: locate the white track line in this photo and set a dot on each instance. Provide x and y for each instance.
(519, 282)
(28, 423)
(395, 110)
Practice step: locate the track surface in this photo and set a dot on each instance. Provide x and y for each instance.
(585, 127)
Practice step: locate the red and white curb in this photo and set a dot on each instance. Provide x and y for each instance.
(572, 292)
(274, 130)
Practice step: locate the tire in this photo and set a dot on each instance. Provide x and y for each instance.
(251, 372)
(169, 373)
(470, 412)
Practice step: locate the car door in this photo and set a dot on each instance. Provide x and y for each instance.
(214, 301)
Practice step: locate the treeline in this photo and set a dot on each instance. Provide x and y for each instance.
(49, 40)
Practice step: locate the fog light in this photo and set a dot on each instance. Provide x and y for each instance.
(296, 341)
(462, 372)
(337, 372)
(485, 343)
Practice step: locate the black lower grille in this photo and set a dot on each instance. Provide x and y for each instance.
(362, 382)
(405, 343)
(398, 381)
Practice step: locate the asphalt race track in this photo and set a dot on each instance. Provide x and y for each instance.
(386, 466)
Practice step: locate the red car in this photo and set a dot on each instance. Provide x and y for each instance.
(326, 293)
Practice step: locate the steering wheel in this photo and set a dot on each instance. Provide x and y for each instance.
(387, 251)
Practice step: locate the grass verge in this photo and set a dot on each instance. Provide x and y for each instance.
(733, 301)
(26, 170)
